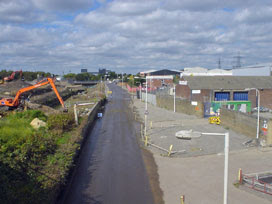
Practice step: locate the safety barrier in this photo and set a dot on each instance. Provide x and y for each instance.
(146, 140)
(254, 181)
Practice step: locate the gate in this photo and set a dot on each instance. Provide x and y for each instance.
(207, 109)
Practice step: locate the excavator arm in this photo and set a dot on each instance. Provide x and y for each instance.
(11, 77)
(16, 101)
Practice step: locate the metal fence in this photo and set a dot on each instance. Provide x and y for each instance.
(151, 98)
(256, 181)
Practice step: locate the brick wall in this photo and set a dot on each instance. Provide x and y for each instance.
(204, 96)
(158, 82)
(182, 106)
(183, 91)
(266, 98)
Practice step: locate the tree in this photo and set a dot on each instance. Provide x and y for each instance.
(70, 76)
(83, 77)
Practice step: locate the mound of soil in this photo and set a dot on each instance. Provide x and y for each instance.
(12, 87)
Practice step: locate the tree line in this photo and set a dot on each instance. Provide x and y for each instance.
(26, 75)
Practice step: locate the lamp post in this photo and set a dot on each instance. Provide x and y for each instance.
(140, 91)
(174, 98)
(226, 163)
(258, 111)
(122, 79)
(146, 111)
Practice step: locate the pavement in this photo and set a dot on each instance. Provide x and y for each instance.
(166, 123)
(198, 174)
(201, 179)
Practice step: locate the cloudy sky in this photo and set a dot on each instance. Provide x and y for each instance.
(62, 36)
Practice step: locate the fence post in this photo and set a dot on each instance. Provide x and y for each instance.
(182, 199)
(170, 150)
(142, 135)
(146, 141)
(75, 112)
(240, 176)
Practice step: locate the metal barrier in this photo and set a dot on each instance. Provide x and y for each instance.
(253, 181)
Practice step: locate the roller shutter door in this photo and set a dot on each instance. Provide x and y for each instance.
(240, 96)
(222, 96)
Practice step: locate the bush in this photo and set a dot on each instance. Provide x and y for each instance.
(61, 122)
(29, 115)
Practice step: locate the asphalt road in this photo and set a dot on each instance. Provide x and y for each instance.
(111, 168)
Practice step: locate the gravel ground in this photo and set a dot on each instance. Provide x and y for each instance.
(166, 123)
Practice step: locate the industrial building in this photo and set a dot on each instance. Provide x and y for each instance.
(254, 70)
(226, 88)
(200, 71)
(161, 78)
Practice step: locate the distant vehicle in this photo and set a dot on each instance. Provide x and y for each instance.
(14, 103)
(262, 109)
(12, 76)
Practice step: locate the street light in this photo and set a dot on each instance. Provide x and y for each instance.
(258, 116)
(226, 163)
(122, 79)
(146, 111)
(174, 98)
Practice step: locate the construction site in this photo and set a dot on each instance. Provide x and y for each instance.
(67, 143)
(43, 124)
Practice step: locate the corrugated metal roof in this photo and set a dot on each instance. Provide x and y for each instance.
(229, 82)
(165, 72)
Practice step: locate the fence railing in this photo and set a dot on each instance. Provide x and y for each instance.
(254, 181)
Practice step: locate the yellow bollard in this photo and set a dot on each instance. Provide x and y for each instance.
(182, 199)
(170, 149)
(150, 124)
(240, 175)
(145, 140)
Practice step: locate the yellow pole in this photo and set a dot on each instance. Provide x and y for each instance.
(240, 175)
(145, 140)
(182, 199)
(170, 149)
(150, 124)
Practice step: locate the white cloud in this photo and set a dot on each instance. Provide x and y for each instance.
(130, 36)
(63, 5)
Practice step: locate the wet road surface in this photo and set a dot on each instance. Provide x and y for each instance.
(111, 169)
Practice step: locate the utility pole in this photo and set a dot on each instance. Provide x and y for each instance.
(146, 111)
(140, 91)
(174, 98)
(122, 79)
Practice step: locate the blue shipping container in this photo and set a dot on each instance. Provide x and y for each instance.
(240, 96)
(222, 96)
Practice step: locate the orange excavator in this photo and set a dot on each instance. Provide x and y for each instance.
(14, 103)
(11, 77)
